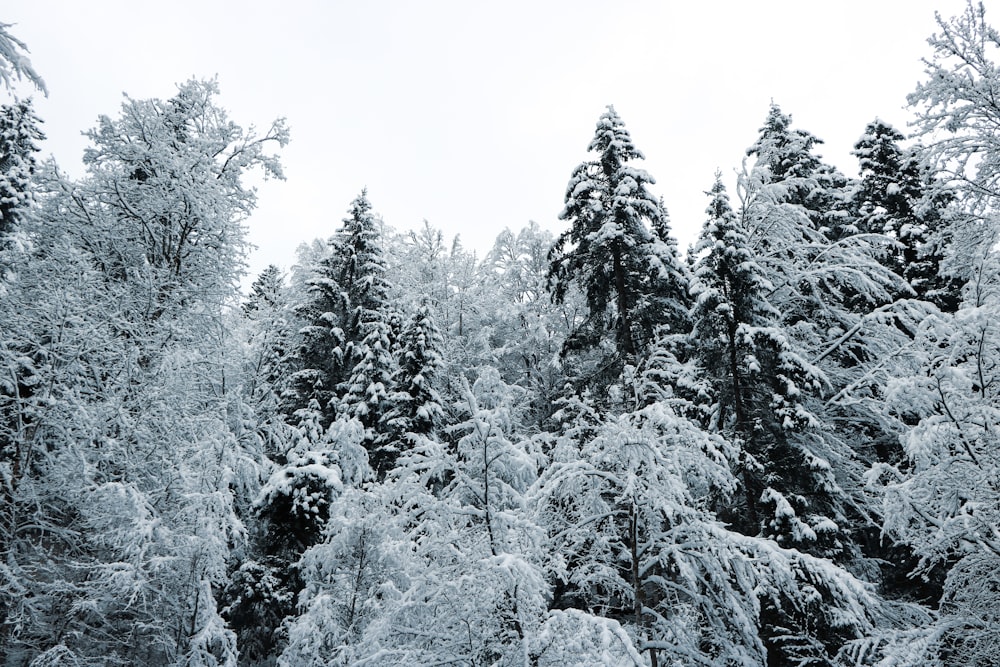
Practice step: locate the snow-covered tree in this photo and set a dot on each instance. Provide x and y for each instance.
(439, 564)
(943, 499)
(526, 329)
(292, 513)
(957, 107)
(617, 251)
(415, 405)
(896, 196)
(128, 468)
(369, 387)
(631, 539)
(759, 380)
(345, 305)
(19, 137)
(267, 323)
(785, 157)
(165, 196)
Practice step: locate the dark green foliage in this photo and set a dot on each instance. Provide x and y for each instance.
(346, 303)
(259, 596)
(19, 137)
(896, 196)
(617, 252)
(786, 156)
(759, 382)
(414, 408)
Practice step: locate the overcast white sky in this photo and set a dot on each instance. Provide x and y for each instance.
(473, 114)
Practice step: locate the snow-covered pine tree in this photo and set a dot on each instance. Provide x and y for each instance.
(292, 513)
(896, 196)
(616, 254)
(346, 301)
(786, 156)
(414, 407)
(370, 385)
(19, 137)
(760, 380)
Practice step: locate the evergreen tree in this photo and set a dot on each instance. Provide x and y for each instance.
(19, 134)
(414, 406)
(345, 305)
(269, 338)
(369, 386)
(290, 516)
(630, 539)
(786, 156)
(896, 196)
(759, 379)
(617, 252)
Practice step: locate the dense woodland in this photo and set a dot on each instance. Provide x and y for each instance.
(780, 447)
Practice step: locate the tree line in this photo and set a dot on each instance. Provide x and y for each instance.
(778, 447)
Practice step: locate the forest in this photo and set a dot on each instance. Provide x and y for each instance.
(780, 446)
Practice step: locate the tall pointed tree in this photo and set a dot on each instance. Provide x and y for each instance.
(897, 196)
(786, 155)
(414, 408)
(760, 381)
(617, 251)
(19, 137)
(346, 302)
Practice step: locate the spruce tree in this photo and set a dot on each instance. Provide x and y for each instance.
(617, 251)
(19, 137)
(760, 381)
(414, 408)
(369, 386)
(786, 156)
(759, 385)
(896, 196)
(267, 321)
(346, 304)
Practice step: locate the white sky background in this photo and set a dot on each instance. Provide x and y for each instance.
(472, 115)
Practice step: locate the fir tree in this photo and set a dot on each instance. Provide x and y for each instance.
(268, 326)
(760, 381)
(414, 408)
(896, 196)
(369, 386)
(19, 137)
(759, 385)
(346, 304)
(617, 252)
(786, 156)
